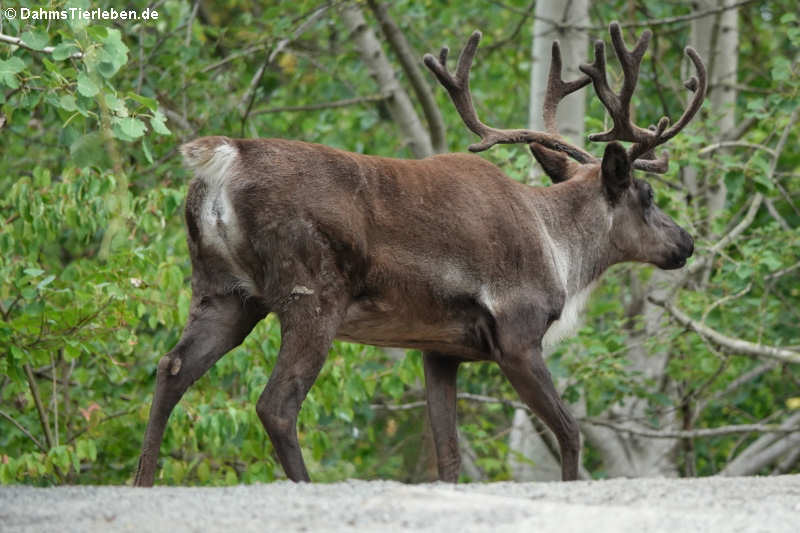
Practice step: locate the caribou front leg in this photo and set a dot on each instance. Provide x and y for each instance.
(529, 376)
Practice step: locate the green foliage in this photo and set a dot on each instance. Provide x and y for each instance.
(94, 267)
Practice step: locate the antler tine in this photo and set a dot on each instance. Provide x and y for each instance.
(618, 105)
(458, 88)
(696, 84)
(557, 89)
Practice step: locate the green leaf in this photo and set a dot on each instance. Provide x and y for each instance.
(147, 154)
(158, 123)
(35, 39)
(71, 352)
(150, 103)
(115, 53)
(67, 102)
(117, 105)
(9, 69)
(782, 69)
(86, 86)
(128, 128)
(64, 51)
(45, 282)
(98, 33)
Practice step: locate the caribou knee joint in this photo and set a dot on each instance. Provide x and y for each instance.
(273, 422)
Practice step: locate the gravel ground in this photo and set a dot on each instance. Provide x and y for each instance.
(639, 505)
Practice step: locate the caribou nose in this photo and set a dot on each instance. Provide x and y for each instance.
(688, 242)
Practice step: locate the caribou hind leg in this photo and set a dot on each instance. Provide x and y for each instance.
(308, 327)
(440, 389)
(216, 325)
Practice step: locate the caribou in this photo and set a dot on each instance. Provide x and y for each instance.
(446, 255)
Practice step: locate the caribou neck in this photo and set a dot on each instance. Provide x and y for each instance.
(577, 223)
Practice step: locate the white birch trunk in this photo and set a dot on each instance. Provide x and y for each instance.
(398, 102)
(529, 459)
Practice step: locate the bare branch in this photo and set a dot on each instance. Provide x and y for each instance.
(787, 462)
(39, 406)
(773, 211)
(523, 19)
(399, 407)
(23, 430)
(735, 144)
(692, 433)
(653, 22)
(179, 120)
(748, 218)
(324, 105)
(489, 399)
(782, 272)
(731, 344)
(47, 49)
(736, 383)
(725, 299)
(246, 102)
(234, 55)
(764, 451)
(461, 396)
(643, 432)
(741, 128)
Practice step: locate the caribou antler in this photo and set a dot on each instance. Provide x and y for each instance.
(557, 89)
(458, 87)
(618, 105)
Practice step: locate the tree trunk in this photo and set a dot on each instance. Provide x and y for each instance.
(399, 104)
(410, 61)
(764, 451)
(716, 38)
(574, 48)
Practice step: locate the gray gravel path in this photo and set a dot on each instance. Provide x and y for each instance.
(640, 505)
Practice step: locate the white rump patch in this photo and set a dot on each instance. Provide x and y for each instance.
(219, 227)
(217, 207)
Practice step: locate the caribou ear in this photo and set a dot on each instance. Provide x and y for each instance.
(557, 165)
(616, 171)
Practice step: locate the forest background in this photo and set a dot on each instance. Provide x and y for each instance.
(690, 373)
